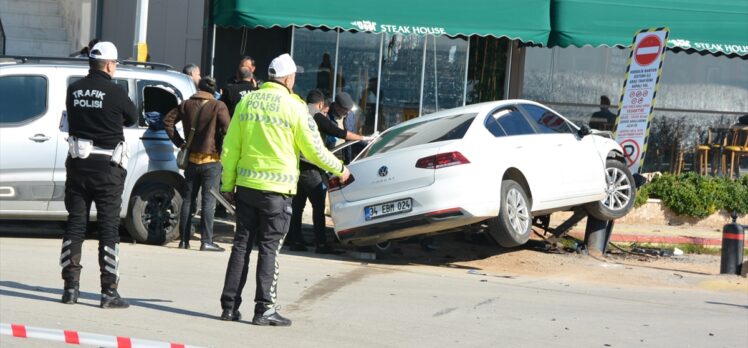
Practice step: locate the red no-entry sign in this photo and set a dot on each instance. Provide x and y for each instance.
(648, 50)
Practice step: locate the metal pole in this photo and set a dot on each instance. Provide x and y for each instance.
(436, 80)
(141, 30)
(379, 83)
(213, 51)
(423, 77)
(293, 35)
(464, 84)
(508, 68)
(335, 70)
(595, 234)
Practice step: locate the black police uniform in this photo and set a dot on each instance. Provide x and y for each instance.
(97, 109)
(233, 94)
(313, 185)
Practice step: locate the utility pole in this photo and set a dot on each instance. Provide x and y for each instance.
(141, 30)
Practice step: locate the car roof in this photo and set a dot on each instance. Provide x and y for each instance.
(478, 108)
(126, 69)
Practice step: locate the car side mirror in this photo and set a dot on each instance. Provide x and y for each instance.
(584, 130)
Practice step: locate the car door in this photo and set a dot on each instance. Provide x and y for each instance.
(29, 132)
(529, 151)
(578, 161)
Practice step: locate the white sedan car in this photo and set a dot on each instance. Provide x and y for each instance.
(499, 162)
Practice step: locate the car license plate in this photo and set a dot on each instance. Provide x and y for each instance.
(389, 208)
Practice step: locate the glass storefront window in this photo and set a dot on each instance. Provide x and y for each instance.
(444, 80)
(487, 69)
(574, 75)
(405, 91)
(401, 79)
(358, 64)
(571, 80)
(314, 52)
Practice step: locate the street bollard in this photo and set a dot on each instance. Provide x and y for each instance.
(597, 234)
(732, 248)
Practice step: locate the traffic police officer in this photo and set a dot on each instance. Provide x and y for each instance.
(270, 127)
(96, 111)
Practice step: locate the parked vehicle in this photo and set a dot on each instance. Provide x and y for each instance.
(499, 163)
(33, 149)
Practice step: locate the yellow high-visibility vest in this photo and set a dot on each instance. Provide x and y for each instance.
(270, 128)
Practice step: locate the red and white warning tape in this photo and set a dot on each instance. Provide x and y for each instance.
(82, 338)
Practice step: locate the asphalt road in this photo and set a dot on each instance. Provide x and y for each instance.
(337, 301)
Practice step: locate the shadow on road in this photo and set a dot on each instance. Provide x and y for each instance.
(445, 250)
(727, 304)
(39, 293)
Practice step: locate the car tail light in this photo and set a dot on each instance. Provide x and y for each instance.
(334, 183)
(442, 160)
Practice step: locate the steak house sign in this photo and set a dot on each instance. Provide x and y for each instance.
(398, 29)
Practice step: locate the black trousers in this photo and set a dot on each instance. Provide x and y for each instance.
(312, 185)
(206, 176)
(94, 179)
(261, 219)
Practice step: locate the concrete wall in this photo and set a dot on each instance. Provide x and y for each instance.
(79, 20)
(118, 25)
(174, 29)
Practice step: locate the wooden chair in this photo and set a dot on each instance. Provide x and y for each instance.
(718, 143)
(736, 148)
(702, 152)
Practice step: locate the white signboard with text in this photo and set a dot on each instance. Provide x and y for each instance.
(636, 106)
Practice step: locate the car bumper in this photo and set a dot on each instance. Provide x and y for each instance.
(438, 207)
(438, 221)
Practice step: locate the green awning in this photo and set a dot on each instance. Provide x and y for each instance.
(716, 26)
(526, 20)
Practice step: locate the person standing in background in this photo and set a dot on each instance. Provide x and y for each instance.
(210, 118)
(313, 182)
(234, 92)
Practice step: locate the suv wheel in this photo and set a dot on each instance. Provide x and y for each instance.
(513, 225)
(154, 214)
(620, 193)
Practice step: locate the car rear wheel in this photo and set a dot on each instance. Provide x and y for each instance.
(620, 193)
(154, 214)
(513, 225)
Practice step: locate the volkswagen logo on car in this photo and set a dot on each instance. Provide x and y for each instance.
(383, 171)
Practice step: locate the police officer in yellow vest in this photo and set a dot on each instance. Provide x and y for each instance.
(260, 158)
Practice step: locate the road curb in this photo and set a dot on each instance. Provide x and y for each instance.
(633, 238)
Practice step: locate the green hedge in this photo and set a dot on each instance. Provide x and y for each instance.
(695, 195)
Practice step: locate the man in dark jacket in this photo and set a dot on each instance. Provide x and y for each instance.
(603, 119)
(96, 111)
(313, 181)
(210, 118)
(233, 93)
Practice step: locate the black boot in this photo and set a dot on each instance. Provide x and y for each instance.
(231, 315)
(110, 299)
(270, 318)
(70, 293)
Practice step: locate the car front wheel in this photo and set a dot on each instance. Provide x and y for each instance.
(513, 225)
(620, 193)
(154, 214)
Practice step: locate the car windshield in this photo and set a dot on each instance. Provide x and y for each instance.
(430, 131)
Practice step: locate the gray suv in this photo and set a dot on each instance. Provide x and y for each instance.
(33, 148)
